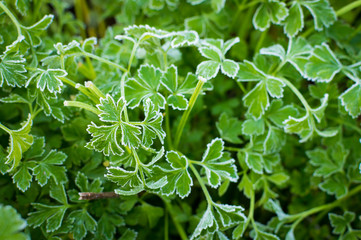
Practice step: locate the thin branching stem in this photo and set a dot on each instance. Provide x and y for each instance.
(185, 115)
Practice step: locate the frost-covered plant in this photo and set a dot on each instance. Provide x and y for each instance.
(253, 103)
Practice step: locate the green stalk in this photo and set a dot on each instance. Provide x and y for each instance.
(178, 226)
(166, 224)
(93, 89)
(328, 206)
(83, 106)
(12, 17)
(261, 40)
(132, 56)
(240, 85)
(5, 129)
(187, 112)
(103, 60)
(232, 149)
(80, 87)
(203, 186)
(348, 8)
(348, 124)
(297, 93)
(167, 127)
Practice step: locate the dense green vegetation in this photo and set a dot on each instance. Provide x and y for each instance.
(180, 119)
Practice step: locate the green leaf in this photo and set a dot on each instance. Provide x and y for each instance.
(171, 83)
(257, 100)
(109, 138)
(351, 100)
(179, 180)
(11, 224)
(279, 178)
(207, 222)
(129, 235)
(129, 181)
(261, 235)
(211, 52)
(229, 128)
(208, 69)
(274, 141)
(105, 139)
(323, 65)
(82, 222)
(20, 142)
(302, 126)
(228, 215)
(145, 215)
(145, 86)
(48, 167)
(152, 124)
(156, 4)
(12, 69)
(215, 50)
(269, 11)
(51, 214)
(340, 223)
(218, 216)
(34, 31)
(48, 79)
(297, 53)
(22, 6)
(246, 186)
(253, 127)
(294, 23)
(229, 68)
(83, 184)
(328, 165)
(185, 38)
(335, 185)
(22, 177)
(217, 165)
(319, 112)
(218, 5)
(254, 161)
(14, 98)
(107, 225)
(322, 13)
(278, 113)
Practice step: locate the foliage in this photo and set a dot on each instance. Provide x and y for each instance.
(178, 119)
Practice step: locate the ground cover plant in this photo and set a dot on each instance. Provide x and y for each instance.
(180, 119)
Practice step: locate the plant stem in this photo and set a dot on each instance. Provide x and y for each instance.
(232, 149)
(241, 87)
(178, 226)
(100, 59)
(167, 127)
(251, 211)
(203, 186)
(261, 40)
(80, 87)
(298, 94)
(12, 17)
(341, 121)
(93, 89)
(83, 106)
(93, 195)
(326, 206)
(5, 129)
(166, 224)
(185, 115)
(348, 8)
(132, 56)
